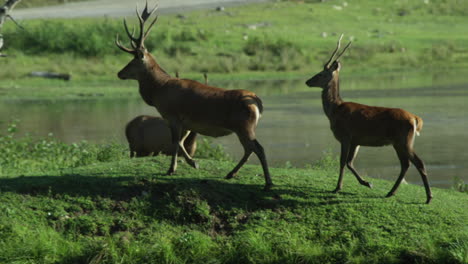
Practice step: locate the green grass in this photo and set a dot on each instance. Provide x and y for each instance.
(89, 203)
(20, 155)
(287, 42)
(83, 203)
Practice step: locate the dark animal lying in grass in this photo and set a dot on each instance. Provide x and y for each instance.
(150, 135)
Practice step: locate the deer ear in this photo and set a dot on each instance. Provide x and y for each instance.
(336, 66)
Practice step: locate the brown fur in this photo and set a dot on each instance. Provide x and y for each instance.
(190, 105)
(355, 125)
(150, 135)
(371, 125)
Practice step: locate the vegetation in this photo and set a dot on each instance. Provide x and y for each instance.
(22, 155)
(286, 37)
(84, 203)
(89, 203)
(254, 42)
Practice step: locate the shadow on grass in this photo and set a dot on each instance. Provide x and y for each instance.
(217, 192)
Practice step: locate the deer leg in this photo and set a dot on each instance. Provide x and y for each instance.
(175, 133)
(403, 155)
(419, 164)
(140, 154)
(343, 159)
(247, 153)
(252, 145)
(351, 156)
(187, 157)
(260, 152)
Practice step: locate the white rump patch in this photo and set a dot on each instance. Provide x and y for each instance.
(257, 115)
(415, 125)
(415, 133)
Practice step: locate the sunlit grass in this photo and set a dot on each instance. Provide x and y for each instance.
(269, 37)
(121, 210)
(25, 155)
(279, 40)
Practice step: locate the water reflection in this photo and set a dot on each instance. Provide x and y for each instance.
(293, 127)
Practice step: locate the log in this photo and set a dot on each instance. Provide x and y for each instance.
(51, 75)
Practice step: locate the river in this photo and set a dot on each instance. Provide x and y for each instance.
(293, 128)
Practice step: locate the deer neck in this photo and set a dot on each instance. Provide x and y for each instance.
(331, 98)
(152, 81)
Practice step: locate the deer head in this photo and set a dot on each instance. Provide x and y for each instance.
(330, 69)
(141, 57)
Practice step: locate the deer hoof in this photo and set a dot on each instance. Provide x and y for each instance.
(170, 172)
(368, 184)
(194, 164)
(429, 198)
(268, 186)
(230, 176)
(337, 190)
(390, 194)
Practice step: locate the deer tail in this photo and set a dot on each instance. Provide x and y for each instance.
(259, 104)
(418, 124)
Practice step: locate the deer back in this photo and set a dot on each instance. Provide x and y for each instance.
(371, 125)
(206, 109)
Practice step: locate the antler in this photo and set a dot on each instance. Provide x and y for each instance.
(331, 60)
(142, 18)
(122, 47)
(341, 53)
(334, 52)
(138, 42)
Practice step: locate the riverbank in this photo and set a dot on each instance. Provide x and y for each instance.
(81, 203)
(260, 41)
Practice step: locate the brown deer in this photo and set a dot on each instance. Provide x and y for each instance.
(355, 125)
(188, 105)
(150, 135)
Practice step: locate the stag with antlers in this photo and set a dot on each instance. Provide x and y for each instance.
(355, 125)
(188, 105)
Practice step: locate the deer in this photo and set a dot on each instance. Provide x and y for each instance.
(150, 135)
(188, 105)
(355, 125)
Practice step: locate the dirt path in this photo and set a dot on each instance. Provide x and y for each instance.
(119, 8)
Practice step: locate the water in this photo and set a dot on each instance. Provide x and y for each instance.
(293, 128)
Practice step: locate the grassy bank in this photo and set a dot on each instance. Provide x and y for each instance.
(89, 203)
(277, 40)
(22, 154)
(84, 203)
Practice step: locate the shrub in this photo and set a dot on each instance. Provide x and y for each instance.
(277, 54)
(206, 149)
